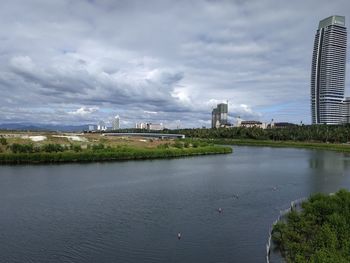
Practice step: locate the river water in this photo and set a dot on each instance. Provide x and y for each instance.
(132, 211)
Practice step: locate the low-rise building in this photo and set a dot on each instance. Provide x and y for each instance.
(251, 124)
(282, 125)
(141, 125)
(150, 126)
(155, 126)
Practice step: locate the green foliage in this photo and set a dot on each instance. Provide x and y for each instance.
(163, 146)
(316, 133)
(76, 148)
(97, 147)
(3, 141)
(52, 147)
(320, 232)
(298, 133)
(108, 154)
(22, 148)
(178, 144)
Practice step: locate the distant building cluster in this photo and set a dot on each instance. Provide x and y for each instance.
(264, 125)
(101, 126)
(219, 119)
(149, 126)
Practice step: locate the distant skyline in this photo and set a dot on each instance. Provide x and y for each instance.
(78, 62)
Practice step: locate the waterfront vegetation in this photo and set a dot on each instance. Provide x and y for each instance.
(323, 137)
(320, 232)
(340, 147)
(106, 149)
(296, 133)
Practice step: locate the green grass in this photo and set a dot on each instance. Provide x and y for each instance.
(112, 154)
(287, 144)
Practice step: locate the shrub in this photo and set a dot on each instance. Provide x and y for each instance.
(22, 148)
(178, 145)
(76, 148)
(52, 148)
(97, 147)
(320, 232)
(163, 146)
(3, 141)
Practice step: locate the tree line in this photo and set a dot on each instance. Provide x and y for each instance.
(301, 133)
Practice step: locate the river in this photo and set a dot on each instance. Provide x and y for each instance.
(132, 211)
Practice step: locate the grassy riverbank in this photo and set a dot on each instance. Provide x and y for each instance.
(109, 155)
(320, 232)
(286, 144)
(20, 152)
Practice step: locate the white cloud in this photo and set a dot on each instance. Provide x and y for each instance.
(176, 58)
(83, 111)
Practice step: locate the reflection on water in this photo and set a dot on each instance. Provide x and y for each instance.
(328, 170)
(132, 211)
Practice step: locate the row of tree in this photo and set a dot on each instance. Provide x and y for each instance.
(319, 133)
(302, 133)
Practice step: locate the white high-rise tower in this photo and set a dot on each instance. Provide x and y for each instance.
(328, 71)
(116, 123)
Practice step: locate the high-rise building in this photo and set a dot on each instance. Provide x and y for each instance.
(116, 123)
(219, 116)
(101, 126)
(328, 71)
(346, 110)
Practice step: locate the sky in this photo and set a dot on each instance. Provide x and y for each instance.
(78, 62)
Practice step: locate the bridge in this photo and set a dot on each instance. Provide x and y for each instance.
(150, 135)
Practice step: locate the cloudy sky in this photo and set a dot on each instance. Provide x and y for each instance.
(81, 61)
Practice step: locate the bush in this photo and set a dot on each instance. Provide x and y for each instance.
(163, 146)
(178, 145)
(318, 233)
(22, 148)
(3, 141)
(97, 147)
(76, 148)
(52, 148)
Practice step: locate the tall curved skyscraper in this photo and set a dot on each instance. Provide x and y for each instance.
(328, 71)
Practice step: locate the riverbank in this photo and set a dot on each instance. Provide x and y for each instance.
(51, 147)
(319, 232)
(280, 144)
(112, 154)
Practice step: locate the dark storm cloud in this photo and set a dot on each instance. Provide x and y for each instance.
(162, 61)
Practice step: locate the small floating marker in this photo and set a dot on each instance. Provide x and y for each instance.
(179, 236)
(235, 196)
(220, 210)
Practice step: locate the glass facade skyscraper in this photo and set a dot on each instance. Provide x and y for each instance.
(328, 71)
